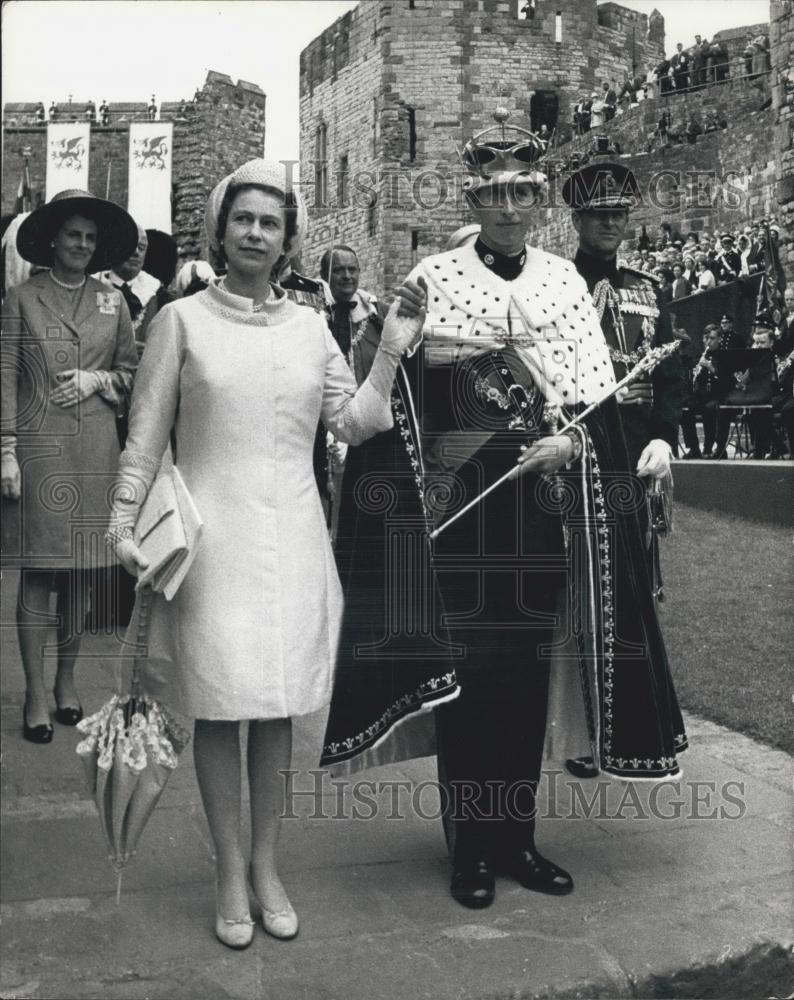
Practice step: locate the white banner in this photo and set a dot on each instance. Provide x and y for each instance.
(67, 157)
(149, 197)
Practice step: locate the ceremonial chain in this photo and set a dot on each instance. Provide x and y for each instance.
(65, 284)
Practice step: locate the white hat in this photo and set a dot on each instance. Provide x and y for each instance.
(260, 173)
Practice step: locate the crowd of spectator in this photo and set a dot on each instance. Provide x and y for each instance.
(697, 262)
(703, 64)
(101, 116)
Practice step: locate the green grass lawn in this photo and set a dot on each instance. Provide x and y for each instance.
(727, 621)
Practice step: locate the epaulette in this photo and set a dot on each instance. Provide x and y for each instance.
(637, 273)
(305, 291)
(300, 283)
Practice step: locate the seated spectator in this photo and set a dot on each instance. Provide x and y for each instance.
(596, 111)
(728, 262)
(760, 421)
(703, 389)
(705, 279)
(680, 286)
(665, 276)
(693, 130)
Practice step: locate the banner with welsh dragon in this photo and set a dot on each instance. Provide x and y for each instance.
(149, 198)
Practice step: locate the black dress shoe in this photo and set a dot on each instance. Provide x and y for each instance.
(68, 716)
(581, 767)
(473, 883)
(535, 872)
(35, 734)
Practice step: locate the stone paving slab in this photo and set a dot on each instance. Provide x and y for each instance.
(653, 895)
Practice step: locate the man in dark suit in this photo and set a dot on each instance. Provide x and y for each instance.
(610, 99)
(680, 64)
(697, 60)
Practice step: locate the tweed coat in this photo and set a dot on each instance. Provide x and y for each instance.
(68, 456)
(252, 632)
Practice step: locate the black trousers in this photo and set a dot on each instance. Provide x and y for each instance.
(500, 603)
(490, 747)
(689, 428)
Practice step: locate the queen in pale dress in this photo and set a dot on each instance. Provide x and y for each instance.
(242, 375)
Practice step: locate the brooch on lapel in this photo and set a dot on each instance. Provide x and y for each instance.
(108, 303)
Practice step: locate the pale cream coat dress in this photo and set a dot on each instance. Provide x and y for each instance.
(253, 629)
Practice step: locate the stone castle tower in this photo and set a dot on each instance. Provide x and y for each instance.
(222, 127)
(390, 90)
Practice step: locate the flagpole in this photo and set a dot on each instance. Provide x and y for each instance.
(107, 183)
(645, 364)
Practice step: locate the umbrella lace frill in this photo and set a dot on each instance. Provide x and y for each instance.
(130, 749)
(132, 731)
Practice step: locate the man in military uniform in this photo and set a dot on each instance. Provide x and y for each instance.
(633, 316)
(704, 391)
(634, 319)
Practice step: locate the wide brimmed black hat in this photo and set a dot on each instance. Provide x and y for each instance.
(601, 184)
(161, 256)
(117, 233)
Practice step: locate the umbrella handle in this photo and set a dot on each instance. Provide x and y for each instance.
(142, 636)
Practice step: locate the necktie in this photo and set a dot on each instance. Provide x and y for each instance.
(133, 302)
(342, 324)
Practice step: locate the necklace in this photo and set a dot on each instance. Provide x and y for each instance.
(65, 284)
(256, 307)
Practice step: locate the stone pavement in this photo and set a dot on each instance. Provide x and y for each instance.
(654, 895)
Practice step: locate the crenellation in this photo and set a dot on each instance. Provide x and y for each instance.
(222, 127)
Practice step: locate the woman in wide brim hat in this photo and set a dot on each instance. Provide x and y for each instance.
(117, 233)
(68, 364)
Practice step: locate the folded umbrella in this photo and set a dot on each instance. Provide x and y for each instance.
(131, 746)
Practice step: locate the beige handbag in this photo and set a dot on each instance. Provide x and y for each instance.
(167, 532)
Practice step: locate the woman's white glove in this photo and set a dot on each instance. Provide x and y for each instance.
(655, 459)
(405, 321)
(74, 385)
(549, 454)
(129, 492)
(130, 556)
(10, 480)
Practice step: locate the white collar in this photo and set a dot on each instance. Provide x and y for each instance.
(143, 285)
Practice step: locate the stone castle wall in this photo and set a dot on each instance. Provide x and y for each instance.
(401, 83)
(782, 49)
(221, 128)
